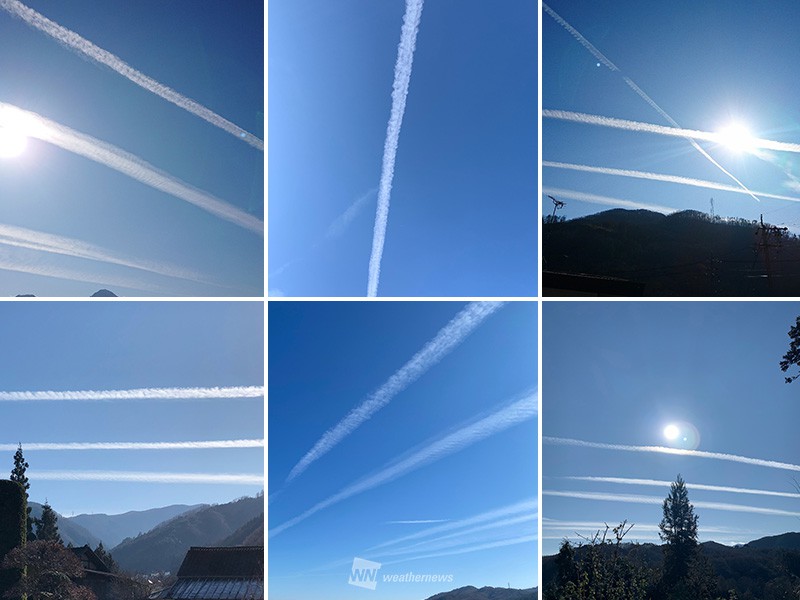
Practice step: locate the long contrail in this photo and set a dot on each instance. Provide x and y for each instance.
(702, 183)
(202, 445)
(448, 338)
(36, 126)
(185, 393)
(641, 93)
(708, 136)
(607, 200)
(691, 486)
(659, 501)
(772, 464)
(402, 76)
(74, 41)
(498, 544)
(512, 414)
(150, 477)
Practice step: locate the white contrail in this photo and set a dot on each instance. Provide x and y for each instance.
(417, 521)
(340, 223)
(21, 237)
(149, 477)
(772, 464)
(402, 76)
(691, 486)
(607, 200)
(36, 126)
(526, 506)
(203, 445)
(641, 93)
(512, 414)
(659, 501)
(498, 544)
(74, 41)
(708, 136)
(186, 393)
(450, 336)
(702, 183)
(557, 525)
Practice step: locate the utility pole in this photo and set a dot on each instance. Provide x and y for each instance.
(765, 233)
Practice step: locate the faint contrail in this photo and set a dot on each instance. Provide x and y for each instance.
(641, 93)
(149, 477)
(512, 414)
(204, 445)
(526, 506)
(450, 336)
(402, 76)
(186, 393)
(498, 544)
(607, 200)
(772, 464)
(659, 501)
(340, 223)
(417, 521)
(691, 486)
(85, 47)
(36, 126)
(708, 136)
(702, 183)
(21, 237)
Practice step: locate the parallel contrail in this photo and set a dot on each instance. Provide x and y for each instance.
(641, 93)
(402, 76)
(772, 464)
(512, 414)
(498, 544)
(417, 521)
(659, 501)
(36, 126)
(187, 393)
(85, 47)
(150, 477)
(203, 445)
(702, 183)
(607, 200)
(691, 486)
(448, 338)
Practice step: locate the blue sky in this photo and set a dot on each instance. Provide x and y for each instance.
(619, 372)
(463, 210)
(706, 65)
(328, 357)
(207, 50)
(78, 346)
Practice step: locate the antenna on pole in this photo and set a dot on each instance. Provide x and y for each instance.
(557, 204)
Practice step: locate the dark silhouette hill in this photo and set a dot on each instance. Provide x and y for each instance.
(112, 529)
(104, 293)
(249, 534)
(683, 254)
(486, 593)
(163, 548)
(786, 541)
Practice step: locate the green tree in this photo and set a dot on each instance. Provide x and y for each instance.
(679, 531)
(50, 572)
(18, 475)
(792, 357)
(47, 525)
(106, 557)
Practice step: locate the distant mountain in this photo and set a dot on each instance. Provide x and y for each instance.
(683, 254)
(163, 548)
(486, 593)
(249, 534)
(785, 541)
(112, 529)
(104, 294)
(71, 533)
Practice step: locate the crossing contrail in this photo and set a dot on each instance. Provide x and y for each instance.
(641, 93)
(702, 183)
(186, 393)
(772, 464)
(607, 200)
(203, 445)
(340, 223)
(448, 338)
(402, 76)
(72, 40)
(691, 486)
(512, 414)
(659, 501)
(36, 126)
(149, 477)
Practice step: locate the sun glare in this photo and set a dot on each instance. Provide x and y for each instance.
(671, 431)
(737, 137)
(12, 143)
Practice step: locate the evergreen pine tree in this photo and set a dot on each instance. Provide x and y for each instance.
(47, 526)
(679, 531)
(18, 475)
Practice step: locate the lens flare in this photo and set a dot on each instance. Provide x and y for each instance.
(681, 434)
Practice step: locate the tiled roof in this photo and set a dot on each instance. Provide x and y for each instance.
(228, 562)
(215, 588)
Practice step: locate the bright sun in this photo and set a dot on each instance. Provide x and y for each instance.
(12, 143)
(737, 137)
(671, 431)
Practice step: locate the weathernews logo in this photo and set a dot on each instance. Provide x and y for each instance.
(364, 573)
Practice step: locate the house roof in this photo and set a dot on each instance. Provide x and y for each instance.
(224, 562)
(215, 588)
(95, 562)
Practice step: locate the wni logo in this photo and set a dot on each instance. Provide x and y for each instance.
(364, 573)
